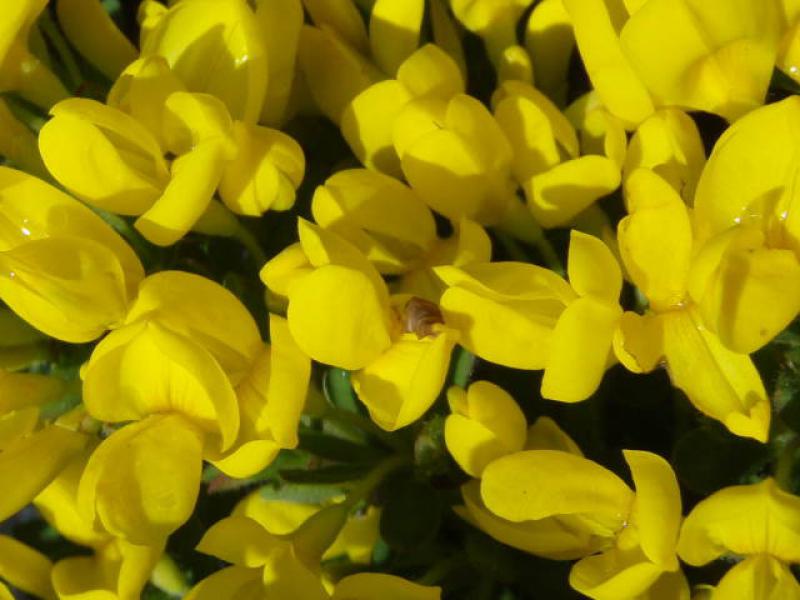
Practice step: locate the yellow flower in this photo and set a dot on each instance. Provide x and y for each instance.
(640, 528)
(340, 313)
(748, 229)
(63, 269)
(669, 144)
(369, 121)
(526, 317)
(356, 539)
(94, 34)
(366, 586)
(656, 243)
(758, 522)
(558, 183)
(271, 399)
(25, 569)
(340, 59)
(454, 154)
(395, 230)
(20, 344)
(117, 569)
(559, 537)
(550, 42)
(32, 453)
(789, 49)
(702, 55)
(495, 21)
(485, 424)
(189, 361)
(598, 130)
(268, 565)
(18, 143)
(20, 70)
(215, 47)
(117, 163)
(280, 22)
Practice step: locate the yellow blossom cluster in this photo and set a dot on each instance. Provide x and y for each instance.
(429, 240)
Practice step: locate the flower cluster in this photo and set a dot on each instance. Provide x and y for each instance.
(271, 269)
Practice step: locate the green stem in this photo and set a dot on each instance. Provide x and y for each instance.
(784, 464)
(464, 365)
(168, 577)
(511, 246)
(63, 50)
(249, 241)
(357, 421)
(366, 486)
(441, 569)
(321, 529)
(521, 225)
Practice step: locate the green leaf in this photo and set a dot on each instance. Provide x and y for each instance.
(332, 474)
(302, 493)
(337, 449)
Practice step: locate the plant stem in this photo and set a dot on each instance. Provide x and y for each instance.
(63, 50)
(441, 569)
(784, 464)
(366, 486)
(464, 365)
(249, 241)
(357, 421)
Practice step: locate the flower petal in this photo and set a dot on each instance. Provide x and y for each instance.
(266, 172)
(639, 341)
(669, 143)
(25, 568)
(655, 240)
(486, 423)
(556, 196)
(401, 384)
(618, 86)
(233, 583)
(750, 174)
(337, 318)
(657, 507)
(148, 369)
(551, 537)
(384, 218)
(536, 484)
(545, 434)
(760, 576)
(736, 274)
(239, 540)
(204, 311)
(365, 586)
(335, 73)
(394, 31)
(579, 349)
(614, 574)
(691, 54)
(721, 383)
(70, 288)
(592, 268)
(744, 519)
(32, 462)
(195, 177)
(142, 481)
(113, 161)
(368, 125)
(89, 28)
(216, 48)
